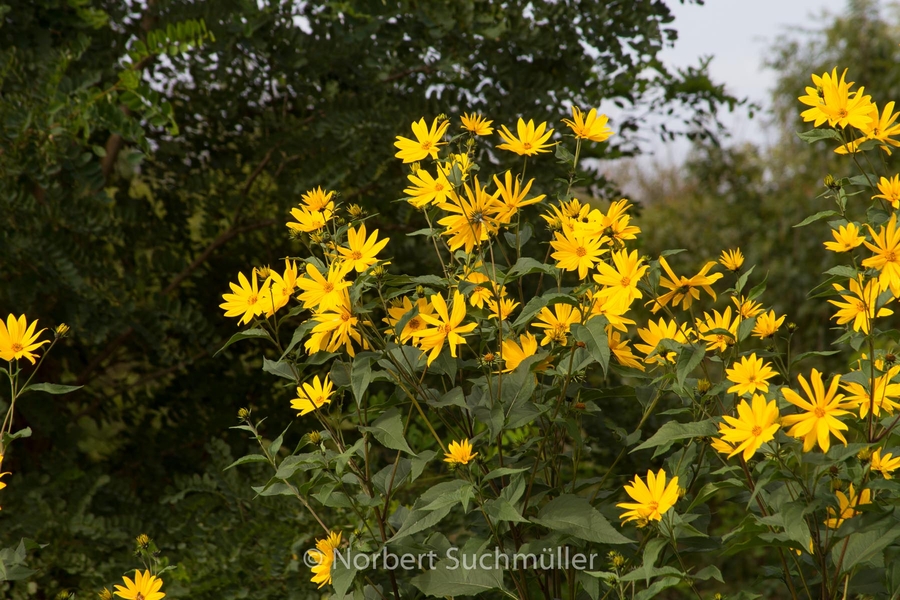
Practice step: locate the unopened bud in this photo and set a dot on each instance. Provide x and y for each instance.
(314, 437)
(61, 331)
(703, 385)
(243, 414)
(143, 540)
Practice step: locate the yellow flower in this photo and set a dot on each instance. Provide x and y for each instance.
(754, 426)
(684, 289)
(720, 445)
(750, 375)
(445, 327)
(281, 288)
(886, 247)
(718, 340)
(426, 142)
(503, 309)
(613, 311)
(746, 309)
(591, 128)
(531, 140)
(360, 253)
(654, 333)
(480, 293)
(473, 219)
(514, 353)
(767, 324)
(18, 339)
(832, 101)
(460, 453)
(576, 253)
(880, 129)
(512, 195)
(247, 301)
(144, 587)
(312, 397)
(651, 500)
(309, 221)
(859, 304)
(885, 464)
(2, 485)
(396, 314)
(846, 506)
(621, 350)
(732, 259)
(567, 215)
(556, 324)
(429, 190)
(336, 327)
(615, 223)
(318, 200)
(882, 396)
(846, 238)
(322, 292)
(890, 190)
(818, 421)
(620, 283)
(323, 556)
(477, 124)
(461, 161)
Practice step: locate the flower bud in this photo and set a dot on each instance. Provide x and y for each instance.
(263, 272)
(243, 414)
(356, 211)
(143, 541)
(105, 594)
(703, 385)
(314, 437)
(61, 331)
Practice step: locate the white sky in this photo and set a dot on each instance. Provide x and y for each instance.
(736, 33)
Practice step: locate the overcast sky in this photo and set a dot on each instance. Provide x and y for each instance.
(736, 33)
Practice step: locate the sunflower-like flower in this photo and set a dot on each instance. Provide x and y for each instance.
(684, 289)
(846, 238)
(312, 397)
(476, 124)
(832, 101)
(577, 253)
(590, 127)
(883, 394)
(427, 190)
(858, 304)
(556, 323)
(746, 309)
(654, 333)
(881, 128)
(323, 556)
(620, 282)
(18, 339)
(750, 375)
(615, 223)
(318, 200)
(818, 421)
(767, 324)
(846, 506)
(886, 246)
(890, 190)
(513, 196)
(472, 219)
(712, 329)
(415, 323)
(885, 464)
(621, 350)
(246, 301)
(321, 292)
(281, 287)
(732, 260)
(531, 140)
(426, 143)
(460, 453)
(755, 425)
(336, 327)
(651, 500)
(446, 326)
(513, 353)
(144, 587)
(309, 221)
(360, 252)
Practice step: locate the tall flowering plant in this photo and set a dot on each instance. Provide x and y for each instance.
(459, 415)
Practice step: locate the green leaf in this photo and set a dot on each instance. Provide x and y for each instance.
(814, 135)
(863, 547)
(250, 458)
(673, 431)
(688, 361)
(449, 579)
(574, 515)
(742, 280)
(526, 265)
(279, 368)
(500, 509)
(243, 335)
(342, 571)
(52, 388)
(388, 429)
(275, 446)
(22, 433)
(843, 271)
(361, 374)
(593, 335)
(824, 214)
